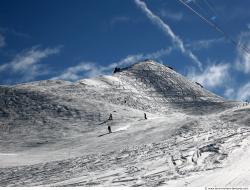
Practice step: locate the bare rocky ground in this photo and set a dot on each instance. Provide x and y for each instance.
(54, 133)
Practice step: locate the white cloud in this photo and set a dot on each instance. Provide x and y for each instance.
(26, 63)
(213, 76)
(243, 58)
(90, 69)
(138, 57)
(83, 69)
(229, 93)
(175, 16)
(244, 92)
(204, 44)
(168, 31)
(2, 41)
(238, 93)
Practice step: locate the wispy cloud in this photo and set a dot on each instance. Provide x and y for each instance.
(175, 16)
(229, 93)
(213, 76)
(138, 57)
(119, 19)
(168, 31)
(26, 64)
(14, 32)
(204, 44)
(90, 69)
(2, 41)
(243, 58)
(81, 70)
(239, 93)
(241, 63)
(244, 92)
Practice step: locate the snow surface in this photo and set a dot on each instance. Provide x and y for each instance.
(54, 133)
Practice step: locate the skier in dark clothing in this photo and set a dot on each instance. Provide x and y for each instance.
(246, 102)
(110, 117)
(145, 116)
(109, 129)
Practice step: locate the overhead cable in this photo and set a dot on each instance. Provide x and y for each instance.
(217, 28)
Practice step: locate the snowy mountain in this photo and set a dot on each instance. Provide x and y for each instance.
(55, 132)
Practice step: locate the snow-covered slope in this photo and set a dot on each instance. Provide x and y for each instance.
(55, 132)
(48, 110)
(153, 87)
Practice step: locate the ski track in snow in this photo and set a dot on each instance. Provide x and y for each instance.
(8, 154)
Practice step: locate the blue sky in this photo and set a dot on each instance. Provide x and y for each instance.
(76, 39)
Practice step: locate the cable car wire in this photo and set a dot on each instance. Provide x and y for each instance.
(217, 28)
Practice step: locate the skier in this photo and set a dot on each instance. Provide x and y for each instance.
(172, 160)
(109, 129)
(145, 116)
(110, 117)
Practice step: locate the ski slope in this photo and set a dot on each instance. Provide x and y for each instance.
(54, 133)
